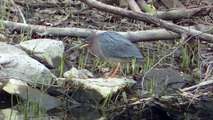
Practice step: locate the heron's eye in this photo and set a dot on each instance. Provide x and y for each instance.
(86, 40)
(89, 39)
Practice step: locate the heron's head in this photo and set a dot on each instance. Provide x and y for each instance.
(88, 41)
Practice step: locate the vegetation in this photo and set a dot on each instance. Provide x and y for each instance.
(181, 51)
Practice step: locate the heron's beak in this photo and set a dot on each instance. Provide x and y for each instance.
(84, 45)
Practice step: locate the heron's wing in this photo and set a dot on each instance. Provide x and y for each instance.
(118, 46)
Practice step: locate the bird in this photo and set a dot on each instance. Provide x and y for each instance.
(113, 48)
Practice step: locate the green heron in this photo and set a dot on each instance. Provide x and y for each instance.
(114, 48)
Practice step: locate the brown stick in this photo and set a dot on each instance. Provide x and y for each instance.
(133, 6)
(182, 13)
(204, 84)
(143, 5)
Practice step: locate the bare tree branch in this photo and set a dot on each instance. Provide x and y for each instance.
(172, 4)
(182, 13)
(204, 84)
(37, 4)
(149, 19)
(148, 35)
(137, 36)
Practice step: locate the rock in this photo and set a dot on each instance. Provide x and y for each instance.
(1, 85)
(25, 68)
(86, 113)
(75, 73)
(15, 63)
(9, 49)
(205, 108)
(11, 114)
(159, 80)
(47, 51)
(20, 88)
(94, 90)
(17, 69)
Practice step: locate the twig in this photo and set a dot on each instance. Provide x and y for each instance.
(61, 20)
(200, 85)
(22, 16)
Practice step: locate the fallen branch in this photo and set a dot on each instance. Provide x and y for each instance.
(148, 19)
(133, 6)
(204, 84)
(182, 13)
(172, 4)
(148, 35)
(41, 5)
(137, 36)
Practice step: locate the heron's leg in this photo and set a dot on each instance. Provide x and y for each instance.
(115, 70)
(111, 71)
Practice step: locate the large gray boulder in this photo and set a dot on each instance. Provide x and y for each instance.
(47, 51)
(15, 63)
